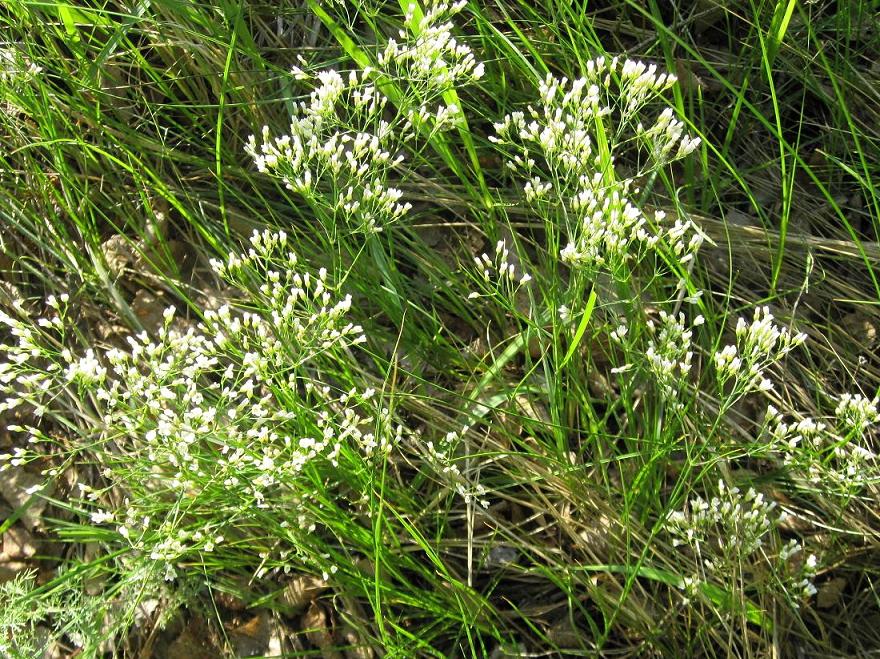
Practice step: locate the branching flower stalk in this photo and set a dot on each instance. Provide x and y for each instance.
(340, 138)
(203, 426)
(599, 237)
(565, 154)
(565, 148)
(728, 532)
(837, 455)
(356, 135)
(498, 278)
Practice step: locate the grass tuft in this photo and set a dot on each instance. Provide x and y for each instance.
(439, 329)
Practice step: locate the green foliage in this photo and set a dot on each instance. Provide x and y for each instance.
(529, 345)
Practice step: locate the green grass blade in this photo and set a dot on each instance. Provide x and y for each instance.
(582, 327)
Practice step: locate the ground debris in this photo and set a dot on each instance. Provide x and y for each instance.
(301, 590)
(250, 638)
(18, 487)
(194, 642)
(18, 543)
(10, 570)
(830, 593)
(318, 630)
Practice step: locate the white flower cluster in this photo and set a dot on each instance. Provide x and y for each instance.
(171, 542)
(666, 140)
(300, 315)
(806, 433)
(228, 412)
(669, 354)
(340, 149)
(340, 138)
(562, 132)
(639, 82)
(444, 118)
(855, 413)
(16, 67)
(567, 147)
(28, 375)
(429, 59)
(825, 455)
(800, 572)
(759, 345)
(608, 225)
(684, 238)
(443, 457)
(499, 273)
(86, 370)
(729, 527)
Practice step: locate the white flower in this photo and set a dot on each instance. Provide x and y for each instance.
(856, 412)
(499, 273)
(619, 332)
(669, 353)
(86, 370)
(554, 146)
(428, 56)
(101, 516)
(298, 73)
(759, 345)
(739, 521)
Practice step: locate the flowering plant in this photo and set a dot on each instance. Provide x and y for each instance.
(281, 431)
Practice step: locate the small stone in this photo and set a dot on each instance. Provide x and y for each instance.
(501, 555)
(149, 309)
(17, 486)
(301, 590)
(830, 593)
(18, 543)
(251, 638)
